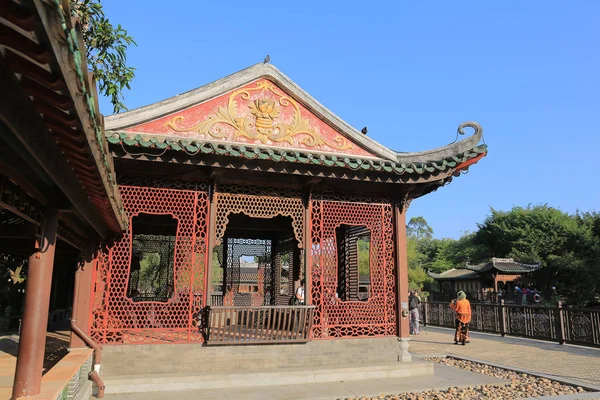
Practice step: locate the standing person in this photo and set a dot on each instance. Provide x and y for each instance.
(462, 308)
(413, 306)
(300, 293)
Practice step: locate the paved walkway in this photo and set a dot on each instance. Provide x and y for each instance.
(573, 362)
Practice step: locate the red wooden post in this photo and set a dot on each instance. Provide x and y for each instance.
(32, 341)
(560, 323)
(401, 273)
(307, 255)
(402, 321)
(210, 243)
(82, 296)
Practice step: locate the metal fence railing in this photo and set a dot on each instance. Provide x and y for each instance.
(562, 324)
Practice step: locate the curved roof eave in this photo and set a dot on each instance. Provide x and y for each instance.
(182, 101)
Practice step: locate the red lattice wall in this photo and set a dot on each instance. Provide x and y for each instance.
(118, 319)
(335, 318)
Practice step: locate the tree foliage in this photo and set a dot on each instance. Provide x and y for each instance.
(150, 273)
(419, 229)
(566, 245)
(364, 255)
(106, 46)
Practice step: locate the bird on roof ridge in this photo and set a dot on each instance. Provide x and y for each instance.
(267, 59)
(364, 130)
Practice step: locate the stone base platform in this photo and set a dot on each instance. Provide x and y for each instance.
(184, 358)
(337, 387)
(270, 378)
(178, 367)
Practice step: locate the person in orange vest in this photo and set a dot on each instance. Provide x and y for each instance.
(462, 308)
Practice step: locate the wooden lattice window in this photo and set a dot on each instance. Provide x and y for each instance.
(354, 262)
(152, 272)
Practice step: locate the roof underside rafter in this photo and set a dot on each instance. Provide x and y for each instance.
(51, 107)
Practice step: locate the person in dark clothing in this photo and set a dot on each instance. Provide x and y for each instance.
(413, 307)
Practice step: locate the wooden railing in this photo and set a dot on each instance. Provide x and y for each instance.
(562, 324)
(216, 299)
(256, 325)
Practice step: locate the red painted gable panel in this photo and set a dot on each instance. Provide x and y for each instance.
(258, 113)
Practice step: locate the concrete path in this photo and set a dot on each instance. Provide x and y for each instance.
(443, 378)
(568, 361)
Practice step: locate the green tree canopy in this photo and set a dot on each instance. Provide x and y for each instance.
(531, 234)
(419, 229)
(106, 46)
(567, 246)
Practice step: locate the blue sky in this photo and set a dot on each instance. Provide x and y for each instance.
(527, 71)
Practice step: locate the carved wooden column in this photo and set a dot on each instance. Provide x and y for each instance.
(82, 295)
(307, 246)
(32, 341)
(210, 242)
(402, 314)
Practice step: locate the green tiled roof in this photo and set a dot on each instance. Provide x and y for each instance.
(252, 152)
(454, 274)
(504, 265)
(498, 265)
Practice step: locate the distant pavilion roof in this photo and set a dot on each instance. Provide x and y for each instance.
(495, 265)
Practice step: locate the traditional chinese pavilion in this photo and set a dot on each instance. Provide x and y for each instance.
(201, 215)
(483, 281)
(251, 165)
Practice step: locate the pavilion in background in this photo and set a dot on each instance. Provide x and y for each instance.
(484, 281)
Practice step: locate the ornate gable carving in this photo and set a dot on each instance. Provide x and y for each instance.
(259, 113)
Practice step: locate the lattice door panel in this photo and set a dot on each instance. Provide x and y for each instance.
(254, 275)
(119, 317)
(337, 318)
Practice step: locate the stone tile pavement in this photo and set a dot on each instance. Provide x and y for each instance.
(568, 361)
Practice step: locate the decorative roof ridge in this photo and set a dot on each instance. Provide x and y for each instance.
(442, 273)
(504, 260)
(200, 142)
(448, 274)
(219, 87)
(250, 151)
(512, 260)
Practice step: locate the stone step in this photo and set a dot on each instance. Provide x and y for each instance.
(285, 376)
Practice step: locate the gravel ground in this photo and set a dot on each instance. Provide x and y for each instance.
(521, 386)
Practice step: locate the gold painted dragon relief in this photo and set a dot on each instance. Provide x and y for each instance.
(261, 113)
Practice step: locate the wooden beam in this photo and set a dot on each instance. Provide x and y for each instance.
(21, 231)
(18, 113)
